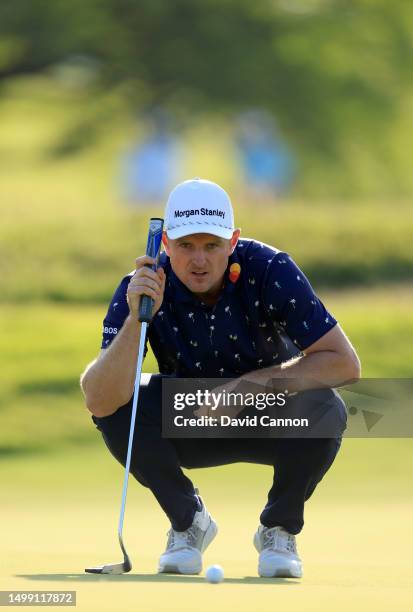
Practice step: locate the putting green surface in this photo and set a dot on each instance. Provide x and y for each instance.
(60, 512)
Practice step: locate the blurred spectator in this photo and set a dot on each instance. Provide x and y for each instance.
(267, 163)
(153, 165)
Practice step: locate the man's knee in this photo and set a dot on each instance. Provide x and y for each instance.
(115, 431)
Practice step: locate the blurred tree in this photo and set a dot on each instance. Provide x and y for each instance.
(328, 69)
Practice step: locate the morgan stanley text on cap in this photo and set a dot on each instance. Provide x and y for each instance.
(198, 206)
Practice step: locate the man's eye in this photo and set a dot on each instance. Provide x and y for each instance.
(211, 246)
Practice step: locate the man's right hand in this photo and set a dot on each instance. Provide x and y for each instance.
(145, 281)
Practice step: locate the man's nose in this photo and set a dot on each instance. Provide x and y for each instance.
(199, 257)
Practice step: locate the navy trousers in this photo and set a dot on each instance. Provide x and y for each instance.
(299, 463)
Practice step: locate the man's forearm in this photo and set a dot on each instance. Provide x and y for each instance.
(323, 368)
(108, 382)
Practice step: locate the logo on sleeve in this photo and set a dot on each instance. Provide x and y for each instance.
(110, 330)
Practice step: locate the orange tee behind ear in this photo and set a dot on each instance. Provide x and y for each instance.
(234, 239)
(165, 243)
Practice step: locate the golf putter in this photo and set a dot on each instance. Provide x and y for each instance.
(145, 315)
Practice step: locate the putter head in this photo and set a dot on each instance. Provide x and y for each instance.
(111, 568)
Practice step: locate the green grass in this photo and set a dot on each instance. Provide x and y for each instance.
(67, 255)
(45, 349)
(379, 323)
(59, 516)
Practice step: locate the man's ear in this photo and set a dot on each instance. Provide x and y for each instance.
(234, 239)
(165, 243)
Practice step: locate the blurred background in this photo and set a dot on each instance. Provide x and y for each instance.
(301, 109)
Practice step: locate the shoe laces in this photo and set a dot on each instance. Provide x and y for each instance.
(181, 539)
(277, 538)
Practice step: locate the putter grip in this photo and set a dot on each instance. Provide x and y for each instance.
(152, 249)
(145, 309)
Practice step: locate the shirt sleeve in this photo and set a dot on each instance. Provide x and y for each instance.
(117, 312)
(290, 300)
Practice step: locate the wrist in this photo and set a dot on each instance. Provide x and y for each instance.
(132, 323)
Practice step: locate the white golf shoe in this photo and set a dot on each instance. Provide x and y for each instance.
(278, 553)
(183, 554)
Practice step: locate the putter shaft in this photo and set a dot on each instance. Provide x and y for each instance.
(126, 566)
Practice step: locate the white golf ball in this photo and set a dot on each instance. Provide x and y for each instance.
(214, 574)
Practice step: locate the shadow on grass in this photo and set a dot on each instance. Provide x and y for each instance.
(10, 452)
(171, 578)
(68, 443)
(49, 387)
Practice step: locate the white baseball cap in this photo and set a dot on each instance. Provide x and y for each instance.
(198, 206)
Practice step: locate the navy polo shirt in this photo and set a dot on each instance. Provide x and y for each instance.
(266, 314)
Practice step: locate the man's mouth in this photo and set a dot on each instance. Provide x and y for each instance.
(198, 274)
